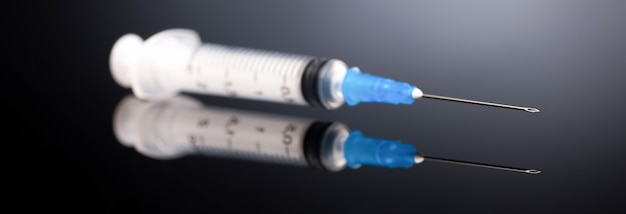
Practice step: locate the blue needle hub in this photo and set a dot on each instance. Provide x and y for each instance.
(360, 87)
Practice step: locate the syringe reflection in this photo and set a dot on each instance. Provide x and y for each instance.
(179, 126)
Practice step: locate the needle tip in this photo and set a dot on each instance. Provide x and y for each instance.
(532, 171)
(532, 110)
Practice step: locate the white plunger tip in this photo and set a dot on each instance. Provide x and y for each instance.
(123, 58)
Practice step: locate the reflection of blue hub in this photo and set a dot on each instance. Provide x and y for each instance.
(362, 150)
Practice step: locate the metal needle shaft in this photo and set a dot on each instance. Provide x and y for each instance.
(466, 163)
(528, 109)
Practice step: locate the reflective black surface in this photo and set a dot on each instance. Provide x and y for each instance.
(567, 58)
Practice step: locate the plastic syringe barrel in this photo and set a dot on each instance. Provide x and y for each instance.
(176, 60)
(362, 150)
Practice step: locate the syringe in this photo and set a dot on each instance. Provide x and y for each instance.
(178, 126)
(176, 60)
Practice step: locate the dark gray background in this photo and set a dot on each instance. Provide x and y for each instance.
(567, 58)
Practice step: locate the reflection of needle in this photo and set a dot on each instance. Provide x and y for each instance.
(528, 109)
(420, 158)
